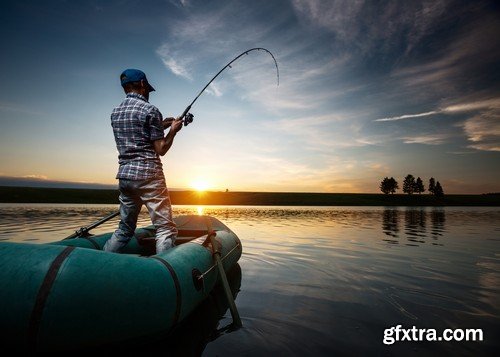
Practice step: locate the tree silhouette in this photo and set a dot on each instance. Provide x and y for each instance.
(385, 186)
(389, 185)
(419, 186)
(432, 185)
(409, 184)
(438, 190)
(393, 184)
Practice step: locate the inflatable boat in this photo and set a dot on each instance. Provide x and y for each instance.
(70, 294)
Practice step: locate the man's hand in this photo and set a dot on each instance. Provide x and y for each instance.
(161, 146)
(167, 122)
(176, 125)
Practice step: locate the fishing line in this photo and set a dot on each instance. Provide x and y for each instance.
(188, 117)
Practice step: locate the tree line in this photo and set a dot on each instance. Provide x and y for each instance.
(411, 186)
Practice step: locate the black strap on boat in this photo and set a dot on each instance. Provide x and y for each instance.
(42, 296)
(178, 302)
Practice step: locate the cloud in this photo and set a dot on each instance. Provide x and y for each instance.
(176, 64)
(365, 26)
(214, 89)
(306, 69)
(336, 16)
(409, 116)
(435, 139)
(10, 107)
(305, 83)
(336, 174)
(180, 3)
(231, 27)
(37, 177)
(36, 180)
(460, 59)
(323, 134)
(493, 103)
(483, 130)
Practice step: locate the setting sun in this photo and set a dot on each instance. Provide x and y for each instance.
(200, 185)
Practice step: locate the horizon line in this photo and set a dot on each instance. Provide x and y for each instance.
(42, 182)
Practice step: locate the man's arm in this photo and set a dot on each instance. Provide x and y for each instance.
(161, 146)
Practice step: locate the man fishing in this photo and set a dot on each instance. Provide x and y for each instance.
(138, 129)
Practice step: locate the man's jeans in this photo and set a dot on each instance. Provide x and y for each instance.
(154, 194)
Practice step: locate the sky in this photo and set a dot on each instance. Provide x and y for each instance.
(367, 89)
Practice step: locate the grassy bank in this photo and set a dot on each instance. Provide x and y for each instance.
(65, 195)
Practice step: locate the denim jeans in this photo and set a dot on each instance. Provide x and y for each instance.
(154, 194)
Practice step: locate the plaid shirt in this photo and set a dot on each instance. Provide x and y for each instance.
(136, 124)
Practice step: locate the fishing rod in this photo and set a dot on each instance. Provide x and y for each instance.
(188, 117)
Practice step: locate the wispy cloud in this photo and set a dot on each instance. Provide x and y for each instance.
(176, 64)
(323, 134)
(305, 73)
(180, 3)
(336, 174)
(409, 116)
(363, 26)
(469, 53)
(36, 180)
(493, 103)
(483, 130)
(435, 139)
(38, 177)
(10, 107)
(336, 16)
(214, 90)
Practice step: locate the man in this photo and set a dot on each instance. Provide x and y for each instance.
(138, 129)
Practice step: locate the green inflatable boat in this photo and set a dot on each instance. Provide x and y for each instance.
(71, 295)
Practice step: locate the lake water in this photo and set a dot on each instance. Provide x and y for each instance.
(330, 280)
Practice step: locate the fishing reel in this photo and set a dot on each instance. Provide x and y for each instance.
(188, 118)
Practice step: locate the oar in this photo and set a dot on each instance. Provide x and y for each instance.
(225, 284)
(83, 231)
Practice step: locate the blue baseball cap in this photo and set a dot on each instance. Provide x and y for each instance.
(134, 75)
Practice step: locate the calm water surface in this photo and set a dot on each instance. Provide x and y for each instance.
(324, 281)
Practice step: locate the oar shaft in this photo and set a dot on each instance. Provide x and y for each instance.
(105, 219)
(85, 230)
(225, 284)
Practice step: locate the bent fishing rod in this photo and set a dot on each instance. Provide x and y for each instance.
(188, 117)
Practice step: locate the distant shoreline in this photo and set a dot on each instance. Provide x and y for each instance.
(103, 196)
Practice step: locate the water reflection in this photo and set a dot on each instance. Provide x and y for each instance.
(415, 225)
(390, 224)
(199, 209)
(437, 219)
(415, 228)
(334, 276)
